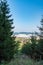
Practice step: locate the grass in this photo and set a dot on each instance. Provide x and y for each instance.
(22, 60)
(39, 63)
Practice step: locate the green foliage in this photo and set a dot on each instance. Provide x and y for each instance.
(17, 47)
(7, 43)
(41, 40)
(31, 49)
(35, 49)
(39, 63)
(22, 60)
(26, 49)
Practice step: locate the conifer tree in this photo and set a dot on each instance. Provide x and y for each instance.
(41, 39)
(33, 45)
(7, 45)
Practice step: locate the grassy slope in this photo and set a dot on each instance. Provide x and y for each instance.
(23, 60)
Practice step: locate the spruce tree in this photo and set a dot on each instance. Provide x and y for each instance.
(41, 39)
(7, 45)
(33, 45)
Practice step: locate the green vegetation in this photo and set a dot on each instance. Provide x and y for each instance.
(40, 49)
(34, 49)
(30, 48)
(21, 41)
(22, 60)
(8, 45)
(29, 52)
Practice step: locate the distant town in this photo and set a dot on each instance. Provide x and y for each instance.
(25, 34)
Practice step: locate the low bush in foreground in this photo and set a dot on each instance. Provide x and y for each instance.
(22, 60)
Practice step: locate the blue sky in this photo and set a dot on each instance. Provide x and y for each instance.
(26, 14)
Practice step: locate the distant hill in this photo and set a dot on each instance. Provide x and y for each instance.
(16, 33)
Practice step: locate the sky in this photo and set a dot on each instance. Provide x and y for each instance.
(27, 14)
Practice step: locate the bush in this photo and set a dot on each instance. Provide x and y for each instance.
(31, 49)
(26, 49)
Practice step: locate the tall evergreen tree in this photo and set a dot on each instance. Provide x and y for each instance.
(33, 45)
(41, 29)
(41, 39)
(7, 45)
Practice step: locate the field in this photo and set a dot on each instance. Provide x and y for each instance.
(22, 41)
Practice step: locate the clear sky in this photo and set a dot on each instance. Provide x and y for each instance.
(26, 14)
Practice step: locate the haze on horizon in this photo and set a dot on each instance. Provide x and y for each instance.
(27, 14)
